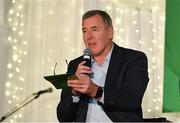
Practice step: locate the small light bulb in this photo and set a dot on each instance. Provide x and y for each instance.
(10, 38)
(154, 30)
(7, 93)
(160, 47)
(140, 42)
(154, 100)
(11, 11)
(16, 88)
(159, 77)
(159, 37)
(49, 106)
(154, 41)
(51, 12)
(15, 116)
(155, 90)
(149, 70)
(160, 27)
(14, 96)
(118, 37)
(10, 75)
(24, 42)
(20, 115)
(117, 9)
(15, 57)
(9, 66)
(21, 78)
(20, 33)
(21, 88)
(11, 121)
(149, 110)
(20, 51)
(20, 6)
(115, 29)
(140, 2)
(150, 21)
(8, 84)
(122, 11)
(17, 98)
(13, 1)
(122, 30)
(19, 61)
(15, 40)
(162, 18)
(134, 22)
(157, 108)
(14, 29)
(150, 49)
(81, 12)
(108, 7)
(18, 14)
(118, 21)
(9, 101)
(154, 67)
(17, 70)
(137, 31)
(22, 24)
(9, 19)
(25, 53)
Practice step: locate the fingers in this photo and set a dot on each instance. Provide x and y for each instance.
(82, 70)
(77, 85)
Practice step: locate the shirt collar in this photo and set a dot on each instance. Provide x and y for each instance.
(108, 55)
(110, 52)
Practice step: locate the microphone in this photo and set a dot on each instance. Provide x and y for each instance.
(87, 57)
(48, 90)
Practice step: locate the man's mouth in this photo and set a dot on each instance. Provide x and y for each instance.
(91, 44)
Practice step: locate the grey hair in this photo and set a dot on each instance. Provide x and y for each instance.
(106, 18)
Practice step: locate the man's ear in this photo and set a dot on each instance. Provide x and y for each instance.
(111, 32)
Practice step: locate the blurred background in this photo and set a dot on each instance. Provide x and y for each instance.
(35, 34)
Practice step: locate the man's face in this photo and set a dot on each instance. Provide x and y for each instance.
(97, 35)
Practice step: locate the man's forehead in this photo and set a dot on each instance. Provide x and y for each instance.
(93, 21)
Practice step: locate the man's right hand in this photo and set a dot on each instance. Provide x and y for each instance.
(73, 82)
(76, 84)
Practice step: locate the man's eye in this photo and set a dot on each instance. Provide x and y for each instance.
(84, 31)
(95, 29)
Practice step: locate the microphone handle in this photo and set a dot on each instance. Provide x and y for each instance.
(88, 62)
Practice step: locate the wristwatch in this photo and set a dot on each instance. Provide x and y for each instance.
(99, 93)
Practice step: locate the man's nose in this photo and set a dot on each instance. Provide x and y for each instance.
(89, 35)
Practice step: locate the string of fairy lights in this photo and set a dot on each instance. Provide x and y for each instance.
(16, 78)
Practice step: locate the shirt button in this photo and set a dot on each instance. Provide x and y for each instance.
(112, 102)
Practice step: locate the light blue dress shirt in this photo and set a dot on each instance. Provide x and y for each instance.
(95, 112)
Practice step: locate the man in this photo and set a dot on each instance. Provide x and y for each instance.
(113, 88)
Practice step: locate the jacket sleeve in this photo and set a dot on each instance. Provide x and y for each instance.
(66, 109)
(130, 85)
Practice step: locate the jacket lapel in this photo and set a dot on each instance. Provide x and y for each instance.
(114, 65)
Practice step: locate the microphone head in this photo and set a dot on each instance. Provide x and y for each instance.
(88, 51)
(87, 57)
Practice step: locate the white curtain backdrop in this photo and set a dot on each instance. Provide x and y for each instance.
(35, 34)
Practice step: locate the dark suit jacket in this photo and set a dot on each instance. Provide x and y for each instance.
(125, 84)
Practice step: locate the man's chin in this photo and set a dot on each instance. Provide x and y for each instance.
(95, 54)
